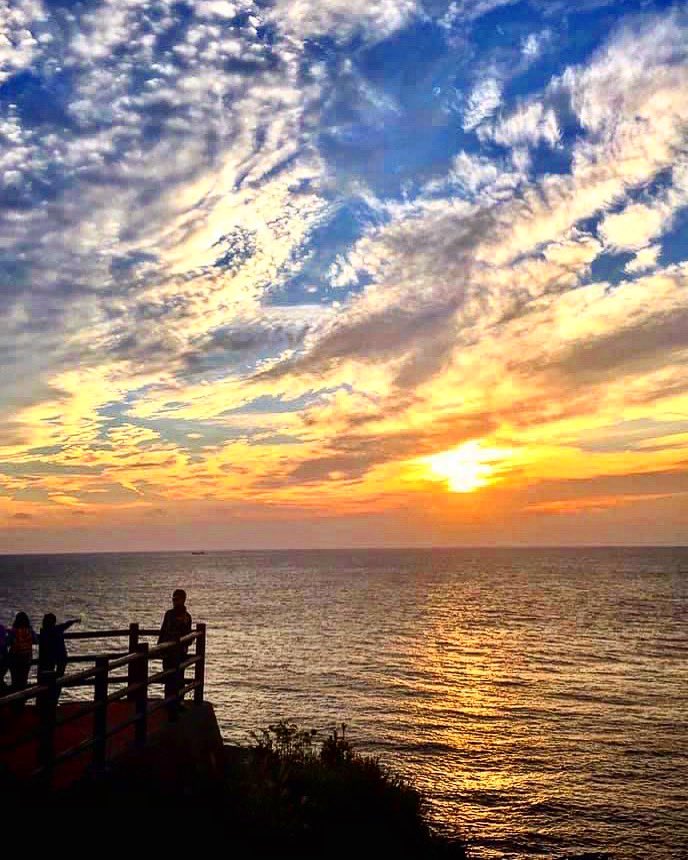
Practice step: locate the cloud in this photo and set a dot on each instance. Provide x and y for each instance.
(461, 12)
(529, 125)
(20, 26)
(645, 259)
(595, 503)
(399, 322)
(449, 277)
(619, 333)
(482, 102)
(442, 264)
(633, 228)
(170, 129)
(474, 176)
(353, 452)
(575, 250)
(376, 19)
(532, 45)
(608, 491)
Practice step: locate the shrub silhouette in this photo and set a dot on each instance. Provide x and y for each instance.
(291, 793)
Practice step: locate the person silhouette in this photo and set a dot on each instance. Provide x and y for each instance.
(20, 642)
(176, 623)
(4, 664)
(52, 651)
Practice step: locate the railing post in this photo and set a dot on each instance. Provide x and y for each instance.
(100, 713)
(133, 646)
(141, 695)
(47, 713)
(199, 668)
(175, 680)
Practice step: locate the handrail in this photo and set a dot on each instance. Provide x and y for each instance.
(133, 686)
(34, 690)
(96, 634)
(31, 692)
(117, 633)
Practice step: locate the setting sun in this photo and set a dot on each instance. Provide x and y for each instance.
(466, 468)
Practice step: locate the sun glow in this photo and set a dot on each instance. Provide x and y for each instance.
(468, 467)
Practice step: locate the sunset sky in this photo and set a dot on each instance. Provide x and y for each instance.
(342, 273)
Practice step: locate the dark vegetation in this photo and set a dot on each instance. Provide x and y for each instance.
(284, 795)
(290, 793)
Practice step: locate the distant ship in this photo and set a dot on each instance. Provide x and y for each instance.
(197, 552)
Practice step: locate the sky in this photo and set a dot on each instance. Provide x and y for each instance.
(318, 273)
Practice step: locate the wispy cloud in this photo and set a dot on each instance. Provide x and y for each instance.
(482, 102)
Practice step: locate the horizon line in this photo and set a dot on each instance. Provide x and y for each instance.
(407, 548)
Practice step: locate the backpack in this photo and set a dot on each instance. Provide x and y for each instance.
(22, 644)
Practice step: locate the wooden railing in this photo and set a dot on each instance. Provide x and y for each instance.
(102, 677)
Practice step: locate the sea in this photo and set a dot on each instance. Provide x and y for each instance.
(538, 697)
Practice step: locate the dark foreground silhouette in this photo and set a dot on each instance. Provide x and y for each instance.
(283, 796)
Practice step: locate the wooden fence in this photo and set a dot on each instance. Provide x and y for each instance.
(130, 672)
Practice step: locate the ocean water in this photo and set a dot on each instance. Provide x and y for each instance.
(539, 697)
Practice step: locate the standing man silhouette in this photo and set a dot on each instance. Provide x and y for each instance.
(175, 625)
